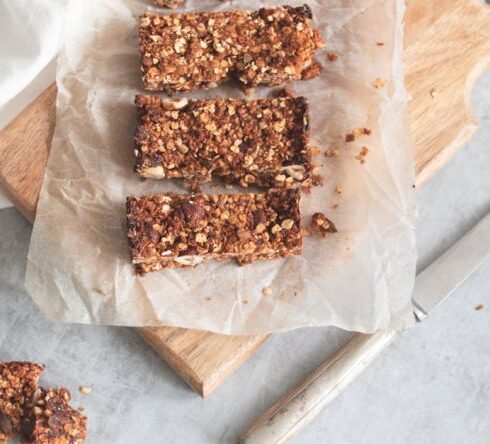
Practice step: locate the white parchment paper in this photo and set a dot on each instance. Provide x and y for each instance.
(359, 279)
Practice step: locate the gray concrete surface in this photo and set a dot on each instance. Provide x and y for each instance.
(431, 386)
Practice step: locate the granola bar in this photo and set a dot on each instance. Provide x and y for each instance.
(50, 419)
(183, 52)
(170, 230)
(172, 4)
(18, 382)
(259, 142)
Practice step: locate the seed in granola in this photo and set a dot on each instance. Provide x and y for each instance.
(287, 224)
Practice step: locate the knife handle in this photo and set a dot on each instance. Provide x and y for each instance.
(301, 404)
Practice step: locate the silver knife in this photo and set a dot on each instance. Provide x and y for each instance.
(434, 284)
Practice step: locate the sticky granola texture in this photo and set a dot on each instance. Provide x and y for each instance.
(171, 4)
(260, 142)
(18, 382)
(51, 420)
(168, 231)
(183, 52)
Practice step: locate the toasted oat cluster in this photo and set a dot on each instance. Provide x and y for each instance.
(170, 230)
(50, 419)
(172, 4)
(260, 142)
(321, 225)
(183, 52)
(18, 382)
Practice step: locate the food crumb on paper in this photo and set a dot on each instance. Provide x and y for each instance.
(267, 291)
(332, 56)
(479, 307)
(322, 225)
(361, 156)
(379, 83)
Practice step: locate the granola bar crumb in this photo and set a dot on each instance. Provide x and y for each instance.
(379, 83)
(332, 56)
(317, 180)
(361, 156)
(85, 390)
(380, 43)
(332, 152)
(283, 92)
(267, 291)
(322, 225)
(339, 190)
(479, 307)
(356, 133)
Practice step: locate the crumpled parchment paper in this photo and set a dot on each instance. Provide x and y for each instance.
(358, 279)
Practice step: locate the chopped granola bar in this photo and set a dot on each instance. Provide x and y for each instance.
(259, 142)
(172, 4)
(322, 225)
(183, 52)
(18, 382)
(170, 230)
(50, 419)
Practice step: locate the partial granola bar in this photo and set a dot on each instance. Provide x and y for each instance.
(183, 52)
(170, 230)
(259, 142)
(172, 4)
(18, 382)
(50, 419)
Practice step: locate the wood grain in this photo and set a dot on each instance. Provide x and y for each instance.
(447, 46)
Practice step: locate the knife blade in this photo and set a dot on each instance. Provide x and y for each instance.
(443, 276)
(434, 284)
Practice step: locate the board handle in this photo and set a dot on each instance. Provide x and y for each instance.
(300, 405)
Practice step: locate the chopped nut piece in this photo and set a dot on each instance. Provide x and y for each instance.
(55, 422)
(267, 291)
(85, 390)
(379, 83)
(361, 157)
(209, 140)
(18, 383)
(250, 231)
(322, 225)
(201, 50)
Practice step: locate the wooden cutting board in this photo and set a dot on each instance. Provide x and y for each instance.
(447, 47)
